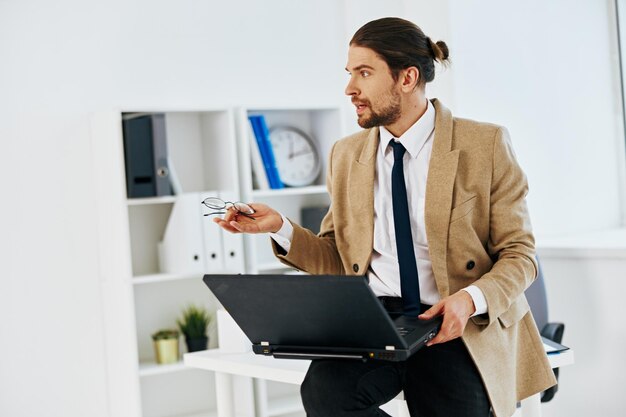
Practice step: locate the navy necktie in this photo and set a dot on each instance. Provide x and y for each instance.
(409, 282)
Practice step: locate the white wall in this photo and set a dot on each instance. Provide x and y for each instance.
(547, 71)
(544, 70)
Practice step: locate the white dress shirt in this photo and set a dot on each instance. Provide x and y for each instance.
(384, 271)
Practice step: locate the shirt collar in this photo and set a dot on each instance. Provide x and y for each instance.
(415, 137)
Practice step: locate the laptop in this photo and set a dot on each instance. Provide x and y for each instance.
(552, 347)
(318, 316)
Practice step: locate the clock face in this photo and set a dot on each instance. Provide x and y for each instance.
(297, 159)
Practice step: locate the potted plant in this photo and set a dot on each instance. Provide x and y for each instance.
(166, 346)
(193, 324)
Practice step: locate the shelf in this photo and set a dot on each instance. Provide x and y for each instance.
(150, 279)
(314, 189)
(291, 109)
(209, 413)
(151, 200)
(284, 405)
(152, 368)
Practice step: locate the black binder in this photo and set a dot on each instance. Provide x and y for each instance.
(145, 152)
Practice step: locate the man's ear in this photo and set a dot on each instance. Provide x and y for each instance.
(409, 78)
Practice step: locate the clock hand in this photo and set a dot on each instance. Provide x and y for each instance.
(303, 152)
(291, 153)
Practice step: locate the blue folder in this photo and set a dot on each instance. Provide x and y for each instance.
(261, 132)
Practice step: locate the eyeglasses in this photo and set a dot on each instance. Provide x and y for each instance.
(214, 203)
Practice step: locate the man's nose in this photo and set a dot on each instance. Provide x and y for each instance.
(351, 88)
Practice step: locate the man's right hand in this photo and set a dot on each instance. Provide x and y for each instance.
(266, 220)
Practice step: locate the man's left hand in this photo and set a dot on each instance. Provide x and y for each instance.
(456, 310)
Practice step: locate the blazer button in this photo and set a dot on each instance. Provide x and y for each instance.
(470, 265)
(355, 268)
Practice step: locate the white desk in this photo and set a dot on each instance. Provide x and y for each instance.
(290, 371)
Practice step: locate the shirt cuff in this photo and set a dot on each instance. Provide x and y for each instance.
(480, 303)
(284, 235)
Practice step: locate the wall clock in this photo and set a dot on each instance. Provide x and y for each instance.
(296, 155)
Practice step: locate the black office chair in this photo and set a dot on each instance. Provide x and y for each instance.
(536, 295)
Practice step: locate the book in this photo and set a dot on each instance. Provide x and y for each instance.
(261, 133)
(259, 175)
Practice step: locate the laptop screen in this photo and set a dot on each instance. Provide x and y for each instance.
(306, 310)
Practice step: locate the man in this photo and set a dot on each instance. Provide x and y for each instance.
(431, 208)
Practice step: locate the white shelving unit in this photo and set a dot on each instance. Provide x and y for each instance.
(151, 368)
(164, 277)
(151, 200)
(310, 190)
(210, 151)
(138, 297)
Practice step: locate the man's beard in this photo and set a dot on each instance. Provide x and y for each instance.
(386, 116)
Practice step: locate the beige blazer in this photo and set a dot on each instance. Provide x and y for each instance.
(475, 210)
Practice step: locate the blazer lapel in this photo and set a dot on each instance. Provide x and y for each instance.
(439, 188)
(361, 191)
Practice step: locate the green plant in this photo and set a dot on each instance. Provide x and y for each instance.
(194, 322)
(165, 334)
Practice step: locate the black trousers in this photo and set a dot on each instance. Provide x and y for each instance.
(438, 381)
